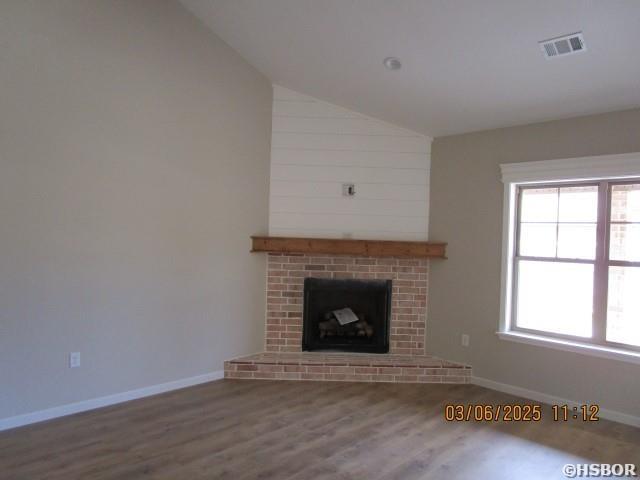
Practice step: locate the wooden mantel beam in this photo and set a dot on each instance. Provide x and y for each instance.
(337, 246)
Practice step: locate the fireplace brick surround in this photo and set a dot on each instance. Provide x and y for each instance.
(285, 277)
(406, 361)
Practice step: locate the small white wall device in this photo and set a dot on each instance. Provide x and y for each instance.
(348, 189)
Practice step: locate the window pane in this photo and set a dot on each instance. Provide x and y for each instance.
(625, 203)
(625, 242)
(577, 240)
(623, 311)
(579, 204)
(555, 297)
(538, 239)
(539, 205)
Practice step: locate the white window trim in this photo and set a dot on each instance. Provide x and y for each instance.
(621, 166)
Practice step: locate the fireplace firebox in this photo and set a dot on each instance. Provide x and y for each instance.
(346, 315)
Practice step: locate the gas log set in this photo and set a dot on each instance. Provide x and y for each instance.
(346, 315)
(331, 327)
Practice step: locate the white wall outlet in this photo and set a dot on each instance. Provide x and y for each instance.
(464, 340)
(74, 359)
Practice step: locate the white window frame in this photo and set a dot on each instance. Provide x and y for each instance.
(618, 167)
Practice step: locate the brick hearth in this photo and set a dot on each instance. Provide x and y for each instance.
(347, 367)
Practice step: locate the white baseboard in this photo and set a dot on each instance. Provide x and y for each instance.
(551, 399)
(71, 408)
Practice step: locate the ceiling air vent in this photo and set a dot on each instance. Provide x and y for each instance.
(565, 45)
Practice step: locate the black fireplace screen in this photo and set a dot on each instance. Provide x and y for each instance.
(346, 315)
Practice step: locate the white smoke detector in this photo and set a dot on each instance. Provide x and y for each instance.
(564, 45)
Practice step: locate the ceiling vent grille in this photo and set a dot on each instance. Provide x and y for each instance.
(565, 45)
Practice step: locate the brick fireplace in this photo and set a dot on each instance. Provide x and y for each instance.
(285, 278)
(406, 361)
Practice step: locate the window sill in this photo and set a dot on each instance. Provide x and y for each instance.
(570, 346)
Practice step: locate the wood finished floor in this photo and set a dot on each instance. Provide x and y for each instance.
(252, 429)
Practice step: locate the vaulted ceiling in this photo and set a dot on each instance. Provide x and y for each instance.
(466, 64)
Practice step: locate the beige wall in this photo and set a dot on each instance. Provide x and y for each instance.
(134, 165)
(464, 295)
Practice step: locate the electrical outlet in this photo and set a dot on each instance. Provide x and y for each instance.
(464, 340)
(74, 359)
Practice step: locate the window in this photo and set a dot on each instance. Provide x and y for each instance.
(571, 259)
(577, 262)
(555, 259)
